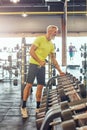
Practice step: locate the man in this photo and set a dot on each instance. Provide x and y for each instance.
(72, 51)
(40, 49)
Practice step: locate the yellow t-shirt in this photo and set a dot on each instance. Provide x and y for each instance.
(44, 48)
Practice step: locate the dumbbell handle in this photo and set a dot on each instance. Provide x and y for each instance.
(69, 85)
(78, 107)
(71, 88)
(73, 92)
(82, 128)
(74, 97)
(80, 116)
(40, 120)
(58, 121)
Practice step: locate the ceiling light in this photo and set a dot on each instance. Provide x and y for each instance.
(24, 14)
(14, 1)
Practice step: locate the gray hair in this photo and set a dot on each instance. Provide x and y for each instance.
(51, 27)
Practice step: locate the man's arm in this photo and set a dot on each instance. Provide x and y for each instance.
(33, 54)
(54, 61)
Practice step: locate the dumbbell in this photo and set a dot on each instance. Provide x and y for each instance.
(65, 77)
(39, 122)
(71, 125)
(64, 94)
(66, 82)
(69, 94)
(74, 105)
(54, 99)
(64, 116)
(52, 102)
(43, 113)
(51, 116)
(69, 111)
(16, 73)
(52, 94)
(15, 82)
(40, 117)
(68, 125)
(72, 81)
(70, 84)
(70, 78)
(54, 112)
(69, 121)
(43, 106)
(80, 88)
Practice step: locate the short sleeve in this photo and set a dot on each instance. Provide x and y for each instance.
(37, 42)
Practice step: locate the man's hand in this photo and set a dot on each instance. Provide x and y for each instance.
(42, 63)
(62, 73)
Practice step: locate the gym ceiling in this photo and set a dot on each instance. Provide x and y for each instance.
(41, 13)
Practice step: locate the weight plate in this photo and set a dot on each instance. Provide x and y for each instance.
(69, 125)
(64, 105)
(82, 90)
(66, 115)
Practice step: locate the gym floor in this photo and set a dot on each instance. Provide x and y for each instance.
(10, 103)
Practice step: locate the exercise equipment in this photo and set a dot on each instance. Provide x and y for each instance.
(83, 70)
(63, 118)
(9, 64)
(15, 82)
(74, 102)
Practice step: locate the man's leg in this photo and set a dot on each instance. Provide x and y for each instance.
(41, 83)
(26, 94)
(38, 96)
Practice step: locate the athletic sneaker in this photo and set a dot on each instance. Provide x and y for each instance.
(24, 112)
(37, 110)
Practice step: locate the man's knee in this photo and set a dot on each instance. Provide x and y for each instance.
(28, 86)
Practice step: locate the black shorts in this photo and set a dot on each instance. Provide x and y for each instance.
(35, 71)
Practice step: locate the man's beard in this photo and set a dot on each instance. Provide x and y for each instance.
(52, 37)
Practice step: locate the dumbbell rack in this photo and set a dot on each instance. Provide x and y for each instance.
(83, 70)
(8, 69)
(24, 63)
(55, 111)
